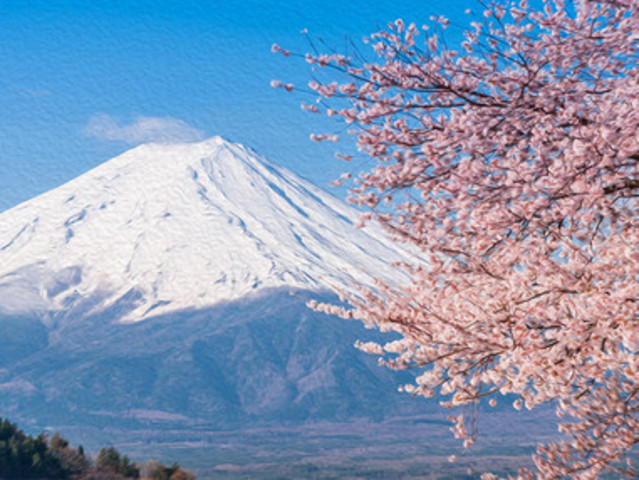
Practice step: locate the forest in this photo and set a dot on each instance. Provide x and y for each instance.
(53, 457)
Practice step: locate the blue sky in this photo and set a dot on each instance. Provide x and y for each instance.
(83, 81)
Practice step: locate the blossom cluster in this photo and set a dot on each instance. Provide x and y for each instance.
(512, 164)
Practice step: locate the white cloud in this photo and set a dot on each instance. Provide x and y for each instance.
(142, 130)
(35, 92)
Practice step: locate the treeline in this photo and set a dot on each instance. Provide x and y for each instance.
(24, 456)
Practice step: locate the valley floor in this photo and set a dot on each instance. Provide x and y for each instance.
(392, 450)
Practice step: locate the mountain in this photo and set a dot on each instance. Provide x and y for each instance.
(167, 288)
(171, 227)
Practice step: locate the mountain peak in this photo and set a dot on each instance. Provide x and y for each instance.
(166, 157)
(181, 226)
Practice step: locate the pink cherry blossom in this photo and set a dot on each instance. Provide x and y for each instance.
(511, 163)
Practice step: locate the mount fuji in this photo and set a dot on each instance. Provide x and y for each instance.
(163, 294)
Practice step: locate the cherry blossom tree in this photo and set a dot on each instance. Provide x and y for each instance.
(512, 163)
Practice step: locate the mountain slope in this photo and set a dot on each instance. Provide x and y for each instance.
(181, 226)
(261, 360)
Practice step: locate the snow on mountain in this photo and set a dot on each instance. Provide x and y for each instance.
(182, 226)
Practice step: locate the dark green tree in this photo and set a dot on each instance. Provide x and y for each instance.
(110, 460)
(24, 456)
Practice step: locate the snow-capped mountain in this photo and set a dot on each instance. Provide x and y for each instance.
(182, 226)
(218, 251)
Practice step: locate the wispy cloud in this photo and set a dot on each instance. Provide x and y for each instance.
(35, 92)
(142, 129)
